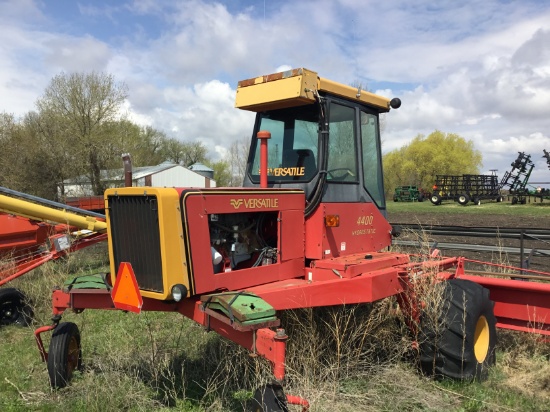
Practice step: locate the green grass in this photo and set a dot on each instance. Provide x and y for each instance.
(346, 359)
(486, 208)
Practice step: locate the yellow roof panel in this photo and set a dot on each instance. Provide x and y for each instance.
(297, 87)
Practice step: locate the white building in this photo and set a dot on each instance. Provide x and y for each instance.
(163, 175)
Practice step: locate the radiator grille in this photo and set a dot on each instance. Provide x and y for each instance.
(135, 237)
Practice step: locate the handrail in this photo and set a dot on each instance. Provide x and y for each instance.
(489, 232)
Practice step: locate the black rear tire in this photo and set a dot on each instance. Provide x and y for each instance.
(462, 344)
(14, 308)
(435, 199)
(65, 355)
(463, 199)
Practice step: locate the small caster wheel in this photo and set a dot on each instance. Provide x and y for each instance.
(65, 355)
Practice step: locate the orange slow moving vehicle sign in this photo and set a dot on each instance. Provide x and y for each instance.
(125, 294)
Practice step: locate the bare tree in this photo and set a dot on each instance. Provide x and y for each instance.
(238, 158)
(184, 153)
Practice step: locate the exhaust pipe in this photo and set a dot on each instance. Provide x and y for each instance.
(127, 169)
(263, 136)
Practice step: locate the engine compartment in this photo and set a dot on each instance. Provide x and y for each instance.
(243, 240)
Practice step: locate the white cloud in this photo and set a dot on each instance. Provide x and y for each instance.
(479, 69)
(204, 113)
(531, 144)
(20, 11)
(76, 54)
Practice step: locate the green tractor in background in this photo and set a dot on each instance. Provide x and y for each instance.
(408, 194)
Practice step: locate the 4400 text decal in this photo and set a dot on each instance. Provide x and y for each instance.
(364, 221)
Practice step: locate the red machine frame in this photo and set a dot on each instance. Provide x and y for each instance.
(28, 244)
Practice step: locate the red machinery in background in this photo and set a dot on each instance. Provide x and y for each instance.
(34, 232)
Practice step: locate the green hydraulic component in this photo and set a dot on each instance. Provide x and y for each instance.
(241, 308)
(96, 281)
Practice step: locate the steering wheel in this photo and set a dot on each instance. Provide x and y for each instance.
(340, 176)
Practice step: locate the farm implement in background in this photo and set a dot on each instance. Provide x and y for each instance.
(515, 180)
(465, 189)
(34, 231)
(308, 229)
(409, 194)
(540, 192)
(475, 188)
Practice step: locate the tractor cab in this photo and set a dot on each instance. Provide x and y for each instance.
(325, 137)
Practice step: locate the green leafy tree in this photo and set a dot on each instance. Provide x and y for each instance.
(439, 153)
(222, 172)
(12, 155)
(48, 159)
(33, 158)
(79, 129)
(87, 105)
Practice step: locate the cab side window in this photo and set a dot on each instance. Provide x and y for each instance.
(372, 163)
(342, 159)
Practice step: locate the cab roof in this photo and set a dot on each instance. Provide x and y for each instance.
(298, 87)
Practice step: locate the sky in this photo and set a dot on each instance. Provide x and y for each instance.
(480, 69)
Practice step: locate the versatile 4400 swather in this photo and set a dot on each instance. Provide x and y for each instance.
(307, 230)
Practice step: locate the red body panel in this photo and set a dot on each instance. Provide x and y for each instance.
(354, 265)
(341, 281)
(519, 305)
(199, 205)
(17, 233)
(362, 229)
(96, 203)
(299, 293)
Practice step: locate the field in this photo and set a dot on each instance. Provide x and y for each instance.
(356, 358)
(489, 214)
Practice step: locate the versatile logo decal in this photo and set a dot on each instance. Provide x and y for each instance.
(286, 171)
(255, 203)
(236, 203)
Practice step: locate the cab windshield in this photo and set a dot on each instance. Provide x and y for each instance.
(293, 147)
